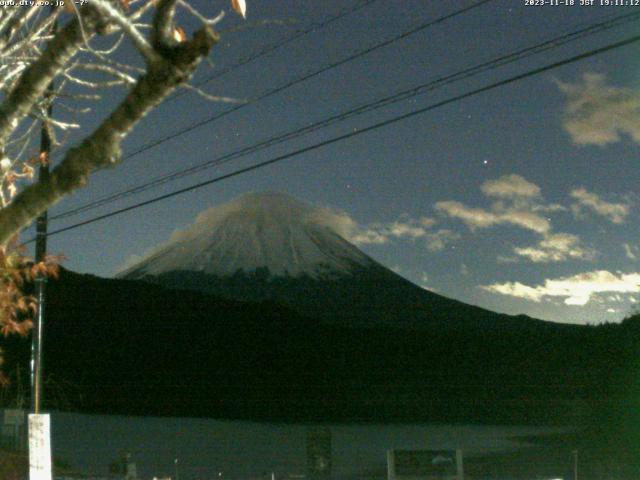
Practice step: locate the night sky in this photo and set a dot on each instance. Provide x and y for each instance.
(520, 199)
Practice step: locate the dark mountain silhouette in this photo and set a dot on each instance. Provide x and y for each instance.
(263, 311)
(130, 347)
(270, 246)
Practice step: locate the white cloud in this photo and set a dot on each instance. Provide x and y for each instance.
(365, 236)
(549, 208)
(130, 262)
(630, 251)
(527, 220)
(506, 259)
(424, 283)
(347, 227)
(519, 205)
(397, 269)
(472, 217)
(556, 247)
(614, 212)
(515, 289)
(405, 228)
(510, 186)
(576, 290)
(437, 241)
(598, 114)
(519, 202)
(481, 218)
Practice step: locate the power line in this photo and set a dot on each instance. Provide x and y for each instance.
(397, 97)
(296, 81)
(270, 48)
(361, 131)
(308, 76)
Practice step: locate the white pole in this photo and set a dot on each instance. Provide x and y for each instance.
(391, 467)
(459, 464)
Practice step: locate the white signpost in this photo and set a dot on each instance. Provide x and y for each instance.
(39, 447)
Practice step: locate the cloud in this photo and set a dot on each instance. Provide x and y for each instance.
(510, 186)
(556, 247)
(365, 236)
(576, 290)
(515, 289)
(472, 217)
(377, 233)
(519, 202)
(598, 114)
(345, 226)
(614, 212)
(480, 218)
(131, 261)
(630, 251)
(518, 205)
(424, 283)
(437, 241)
(407, 227)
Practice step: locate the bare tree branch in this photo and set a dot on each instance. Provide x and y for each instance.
(162, 28)
(37, 76)
(107, 9)
(102, 148)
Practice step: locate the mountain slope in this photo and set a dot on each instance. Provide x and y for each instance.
(270, 246)
(130, 347)
(269, 230)
(268, 323)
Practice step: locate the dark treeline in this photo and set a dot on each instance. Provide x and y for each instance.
(127, 347)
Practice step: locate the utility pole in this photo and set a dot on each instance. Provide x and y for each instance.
(41, 279)
(41, 250)
(575, 465)
(40, 424)
(40, 467)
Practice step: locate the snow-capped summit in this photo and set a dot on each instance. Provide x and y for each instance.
(272, 247)
(257, 231)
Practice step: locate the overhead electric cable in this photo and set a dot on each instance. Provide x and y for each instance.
(308, 76)
(270, 48)
(355, 133)
(414, 91)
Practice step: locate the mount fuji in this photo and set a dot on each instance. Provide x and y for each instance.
(262, 310)
(258, 231)
(270, 246)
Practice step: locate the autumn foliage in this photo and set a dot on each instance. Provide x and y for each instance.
(17, 274)
(50, 64)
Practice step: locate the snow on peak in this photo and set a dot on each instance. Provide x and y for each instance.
(257, 230)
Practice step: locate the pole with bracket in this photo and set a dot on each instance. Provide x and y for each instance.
(41, 279)
(39, 425)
